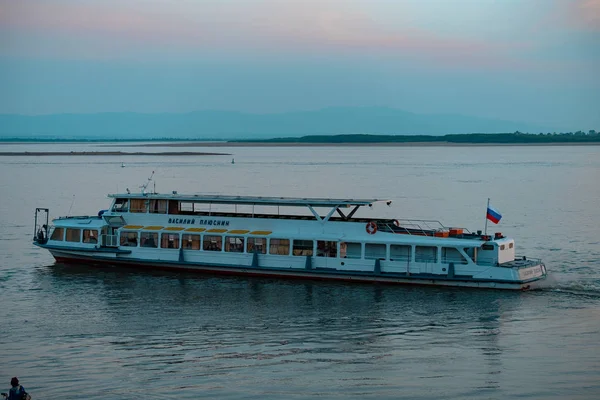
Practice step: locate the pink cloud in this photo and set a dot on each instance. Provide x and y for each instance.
(579, 15)
(587, 14)
(116, 29)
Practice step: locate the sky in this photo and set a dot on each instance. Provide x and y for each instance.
(535, 61)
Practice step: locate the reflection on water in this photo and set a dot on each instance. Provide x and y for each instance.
(302, 331)
(82, 332)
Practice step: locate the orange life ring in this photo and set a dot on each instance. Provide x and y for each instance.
(371, 228)
(396, 223)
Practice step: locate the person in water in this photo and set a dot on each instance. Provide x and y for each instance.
(16, 392)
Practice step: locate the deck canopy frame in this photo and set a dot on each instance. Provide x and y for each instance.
(335, 205)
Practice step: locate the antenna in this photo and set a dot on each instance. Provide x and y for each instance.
(73, 201)
(145, 185)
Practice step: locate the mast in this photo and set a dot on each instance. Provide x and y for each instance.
(486, 219)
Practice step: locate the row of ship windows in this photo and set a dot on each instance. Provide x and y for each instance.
(75, 235)
(275, 246)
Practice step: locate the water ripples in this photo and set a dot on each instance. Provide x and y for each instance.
(85, 332)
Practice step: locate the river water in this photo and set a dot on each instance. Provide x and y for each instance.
(74, 332)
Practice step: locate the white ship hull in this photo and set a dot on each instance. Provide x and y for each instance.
(243, 266)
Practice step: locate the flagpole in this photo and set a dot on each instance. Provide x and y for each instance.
(486, 219)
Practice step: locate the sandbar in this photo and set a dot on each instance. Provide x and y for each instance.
(108, 153)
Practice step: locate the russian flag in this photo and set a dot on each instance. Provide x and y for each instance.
(493, 215)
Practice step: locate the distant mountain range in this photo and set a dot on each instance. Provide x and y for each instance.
(236, 125)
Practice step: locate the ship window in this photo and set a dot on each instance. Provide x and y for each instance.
(303, 248)
(279, 246)
(129, 239)
(169, 240)
(121, 205)
(149, 239)
(73, 235)
(502, 247)
(471, 252)
(258, 245)
(326, 249)
(158, 206)
(510, 245)
(400, 252)
(58, 234)
(452, 255)
(138, 206)
(186, 207)
(350, 250)
(90, 236)
(191, 242)
(487, 247)
(426, 254)
(173, 207)
(234, 244)
(375, 251)
(212, 243)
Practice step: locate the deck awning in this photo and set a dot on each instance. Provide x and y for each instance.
(253, 200)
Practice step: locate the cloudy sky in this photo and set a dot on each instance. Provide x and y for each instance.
(534, 61)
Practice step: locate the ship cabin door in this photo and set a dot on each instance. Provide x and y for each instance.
(109, 232)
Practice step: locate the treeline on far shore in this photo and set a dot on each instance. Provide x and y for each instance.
(466, 138)
(482, 138)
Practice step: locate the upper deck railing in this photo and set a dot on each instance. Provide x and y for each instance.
(420, 227)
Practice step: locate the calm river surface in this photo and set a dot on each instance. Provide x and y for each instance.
(74, 332)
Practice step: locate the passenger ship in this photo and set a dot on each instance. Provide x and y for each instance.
(241, 235)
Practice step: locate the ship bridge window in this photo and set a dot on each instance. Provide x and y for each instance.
(350, 250)
(374, 251)
(121, 205)
(426, 254)
(138, 206)
(169, 240)
(303, 248)
(129, 239)
(487, 247)
(502, 247)
(186, 207)
(452, 255)
(158, 206)
(326, 248)
(191, 207)
(510, 245)
(212, 243)
(258, 245)
(234, 244)
(149, 239)
(90, 236)
(279, 246)
(400, 252)
(58, 234)
(73, 235)
(191, 242)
